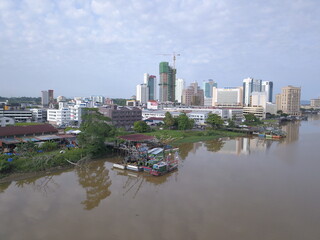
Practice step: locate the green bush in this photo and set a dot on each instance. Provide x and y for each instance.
(6, 167)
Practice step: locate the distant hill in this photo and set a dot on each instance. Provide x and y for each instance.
(305, 102)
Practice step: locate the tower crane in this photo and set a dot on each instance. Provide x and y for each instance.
(174, 55)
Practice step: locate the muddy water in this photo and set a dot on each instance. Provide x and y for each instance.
(242, 188)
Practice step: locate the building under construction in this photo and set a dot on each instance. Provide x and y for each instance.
(167, 82)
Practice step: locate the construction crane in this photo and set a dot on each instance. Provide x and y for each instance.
(174, 55)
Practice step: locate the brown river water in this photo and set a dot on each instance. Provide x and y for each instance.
(243, 188)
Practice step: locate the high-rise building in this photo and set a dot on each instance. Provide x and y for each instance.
(51, 99)
(207, 87)
(180, 85)
(290, 100)
(152, 85)
(45, 98)
(278, 101)
(142, 93)
(193, 95)
(251, 85)
(227, 97)
(145, 78)
(167, 82)
(267, 86)
(97, 99)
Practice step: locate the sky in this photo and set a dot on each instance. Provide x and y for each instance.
(95, 47)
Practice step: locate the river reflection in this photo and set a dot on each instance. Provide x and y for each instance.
(242, 145)
(94, 178)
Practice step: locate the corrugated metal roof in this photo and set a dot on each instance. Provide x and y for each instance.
(26, 130)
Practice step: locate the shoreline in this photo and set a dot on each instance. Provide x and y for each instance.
(17, 176)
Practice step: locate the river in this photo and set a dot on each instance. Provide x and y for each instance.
(243, 188)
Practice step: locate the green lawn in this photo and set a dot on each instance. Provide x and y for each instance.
(176, 137)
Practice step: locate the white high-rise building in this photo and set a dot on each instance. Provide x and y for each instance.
(251, 85)
(142, 93)
(97, 99)
(145, 78)
(180, 85)
(267, 87)
(227, 97)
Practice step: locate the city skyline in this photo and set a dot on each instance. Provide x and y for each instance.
(81, 48)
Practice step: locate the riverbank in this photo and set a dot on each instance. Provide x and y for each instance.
(12, 166)
(26, 165)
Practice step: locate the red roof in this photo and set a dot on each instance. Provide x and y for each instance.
(27, 130)
(136, 137)
(155, 118)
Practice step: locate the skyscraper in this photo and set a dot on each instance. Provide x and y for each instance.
(207, 87)
(50, 94)
(45, 98)
(251, 85)
(267, 86)
(152, 85)
(142, 93)
(167, 82)
(180, 85)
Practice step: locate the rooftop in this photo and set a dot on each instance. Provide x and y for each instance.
(27, 130)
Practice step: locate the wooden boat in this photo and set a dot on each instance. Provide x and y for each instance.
(268, 136)
(277, 136)
(162, 168)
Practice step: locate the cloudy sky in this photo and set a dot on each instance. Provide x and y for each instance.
(97, 47)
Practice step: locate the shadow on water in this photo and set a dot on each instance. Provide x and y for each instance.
(94, 178)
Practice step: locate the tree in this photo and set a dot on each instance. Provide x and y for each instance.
(94, 131)
(184, 122)
(279, 112)
(214, 120)
(251, 119)
(231, 123)
(141, 126)
(168, 120)
(49, 146)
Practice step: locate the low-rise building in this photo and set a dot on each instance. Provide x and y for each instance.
(59, 116)
(5, 121)
(17, 115)
(122, 116)
(24, 131)
(257, 111)
(39, 114)
(315, 103)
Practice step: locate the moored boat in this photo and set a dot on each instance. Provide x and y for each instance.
(134, 168)
(119, 166)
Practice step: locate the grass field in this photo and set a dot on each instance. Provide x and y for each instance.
(176, 137)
